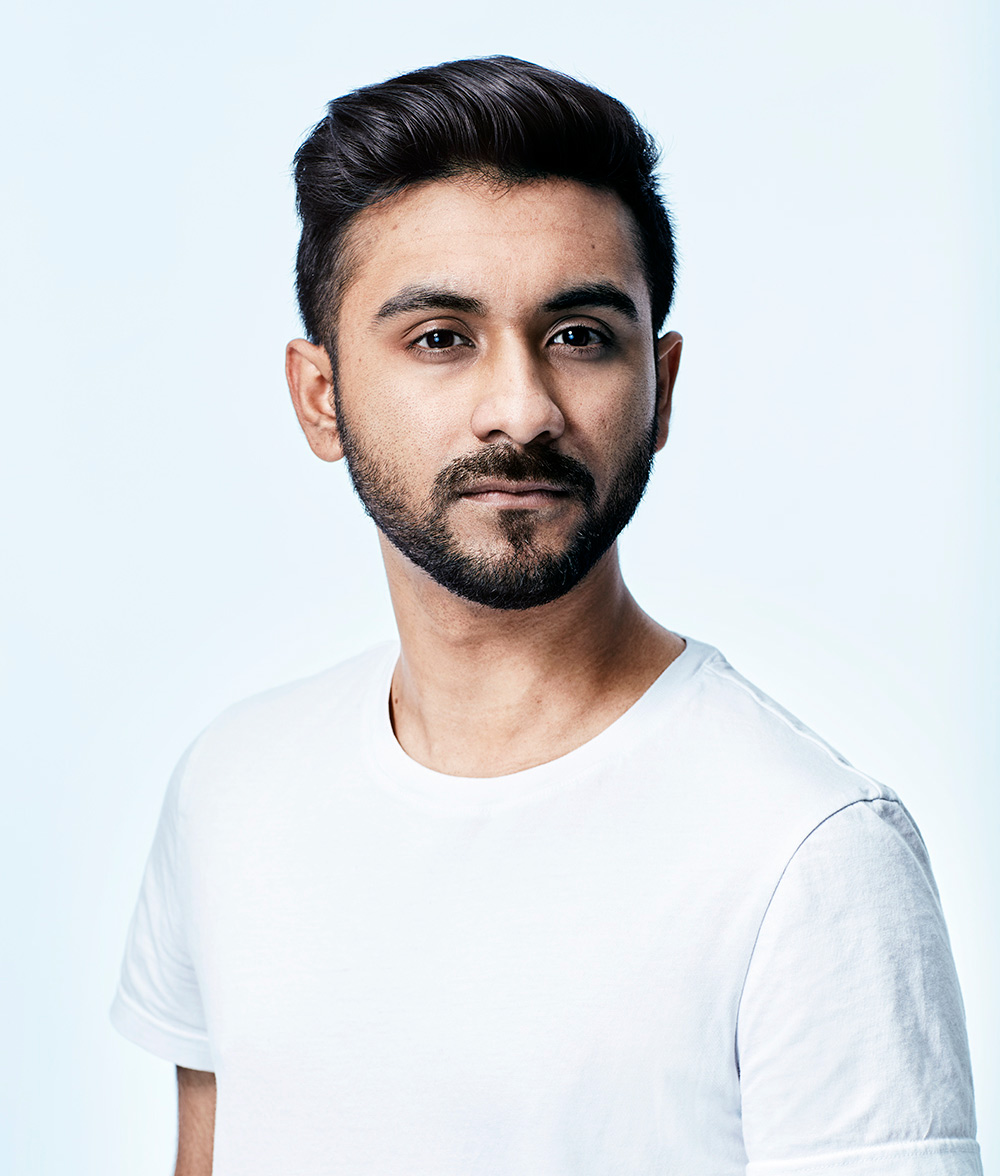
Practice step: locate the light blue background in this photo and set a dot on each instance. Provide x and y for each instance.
(826, 510)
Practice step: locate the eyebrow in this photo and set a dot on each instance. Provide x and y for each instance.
(598, 294)
(412, 298)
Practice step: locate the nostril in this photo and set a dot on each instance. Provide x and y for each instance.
(521, 415)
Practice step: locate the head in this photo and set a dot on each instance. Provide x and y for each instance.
(498, 117)
(491, 230)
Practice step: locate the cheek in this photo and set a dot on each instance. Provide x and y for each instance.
(615, 418)
(375, 408)
(410, 423)
(399, 433)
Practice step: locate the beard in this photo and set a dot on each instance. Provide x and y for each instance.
(525, 574)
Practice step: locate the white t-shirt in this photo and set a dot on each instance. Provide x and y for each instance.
(701, 944)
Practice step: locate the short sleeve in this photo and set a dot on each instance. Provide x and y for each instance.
(158, 1005)
(851, 1036)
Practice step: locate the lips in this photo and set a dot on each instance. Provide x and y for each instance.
(529, 476)
(502, 486)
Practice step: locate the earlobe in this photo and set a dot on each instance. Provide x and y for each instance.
(310, 382)
(668, 353)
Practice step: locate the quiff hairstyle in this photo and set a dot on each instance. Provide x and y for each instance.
(501, 118)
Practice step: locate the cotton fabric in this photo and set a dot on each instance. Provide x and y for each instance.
(701, 943)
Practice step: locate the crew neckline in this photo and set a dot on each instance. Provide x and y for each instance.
(405, 776)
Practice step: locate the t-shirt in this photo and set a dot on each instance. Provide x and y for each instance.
(700, 944)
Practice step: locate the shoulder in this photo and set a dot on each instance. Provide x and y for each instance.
(287, 727)
(871, 849)
(765, 775)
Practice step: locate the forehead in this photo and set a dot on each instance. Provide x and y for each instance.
(509, 246)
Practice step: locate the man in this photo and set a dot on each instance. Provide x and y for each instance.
(544, 888)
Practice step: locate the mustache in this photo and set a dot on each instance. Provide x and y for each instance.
(514, 464)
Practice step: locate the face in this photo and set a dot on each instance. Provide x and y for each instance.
(497, 397)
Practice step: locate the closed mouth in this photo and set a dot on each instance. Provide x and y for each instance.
(502, 486)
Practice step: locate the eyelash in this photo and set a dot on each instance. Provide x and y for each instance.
(415, 345)
(603, 341)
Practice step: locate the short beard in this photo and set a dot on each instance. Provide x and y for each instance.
(524, 577)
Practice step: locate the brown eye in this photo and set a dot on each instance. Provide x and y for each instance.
(580, 338)
(440, 340)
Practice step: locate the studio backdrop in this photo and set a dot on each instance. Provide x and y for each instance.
(825, 510)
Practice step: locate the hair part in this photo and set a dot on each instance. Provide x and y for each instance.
(504, 120)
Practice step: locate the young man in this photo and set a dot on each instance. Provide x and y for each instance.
(544, 888)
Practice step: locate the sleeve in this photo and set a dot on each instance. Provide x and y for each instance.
(851, 1034)
(158, 1005)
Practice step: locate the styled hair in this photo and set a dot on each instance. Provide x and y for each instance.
(499, 117)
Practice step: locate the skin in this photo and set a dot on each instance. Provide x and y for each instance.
(479, 691)
(195, 1122)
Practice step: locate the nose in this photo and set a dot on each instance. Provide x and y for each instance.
(515, 400)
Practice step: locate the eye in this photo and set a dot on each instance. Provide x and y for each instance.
(581, 338)
(440, 340)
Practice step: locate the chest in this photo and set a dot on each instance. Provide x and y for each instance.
(582, 973)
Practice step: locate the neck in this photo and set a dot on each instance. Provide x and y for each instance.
(486, 692)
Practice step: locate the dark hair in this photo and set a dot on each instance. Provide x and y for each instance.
(500, 117)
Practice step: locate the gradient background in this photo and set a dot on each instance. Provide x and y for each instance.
(825, 512)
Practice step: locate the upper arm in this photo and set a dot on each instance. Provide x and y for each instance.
(195, 1122)
(851, 1032)
(158, 1003)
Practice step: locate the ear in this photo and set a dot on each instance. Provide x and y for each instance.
(668, 352)
(310, 381)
